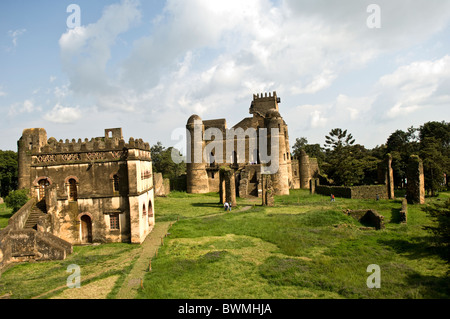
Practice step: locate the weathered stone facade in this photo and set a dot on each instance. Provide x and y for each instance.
(203, 173)
(98, 190)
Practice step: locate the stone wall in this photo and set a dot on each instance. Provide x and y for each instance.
(161, 185)
(354, 192)
(18, 220)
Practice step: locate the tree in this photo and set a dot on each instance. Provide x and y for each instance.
(313, 150)
(163, 163)
(8, 172)
(434, 164)
(440, 213)
(401, 145)
(338, 138)
(435, 151)
(299, 145)
(16, 199)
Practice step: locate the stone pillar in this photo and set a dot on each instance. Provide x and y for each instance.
(415, 188)
(389, 177)
(312, 186)
(227, 189)
(404, 211)
(267, 190)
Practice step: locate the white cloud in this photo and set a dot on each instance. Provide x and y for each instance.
(415, 86)
(2, 93)
(209, 57)
(15, 34)
(86, 50)
(27, 106)
(63, 115)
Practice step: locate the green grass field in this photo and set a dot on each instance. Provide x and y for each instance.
(304, 247)
(5, 214)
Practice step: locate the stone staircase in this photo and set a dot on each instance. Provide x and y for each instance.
(39, 211)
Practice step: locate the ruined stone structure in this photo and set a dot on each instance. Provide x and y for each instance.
(354, 192)
(415, 187)
(370, 217)
(95, 191)
(162, 185)
(206, 155)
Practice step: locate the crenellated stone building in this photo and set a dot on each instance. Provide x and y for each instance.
(98, 190)
(203, 166)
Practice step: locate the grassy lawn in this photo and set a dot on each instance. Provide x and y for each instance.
(304, 247)
(5, 214)
(49, 279)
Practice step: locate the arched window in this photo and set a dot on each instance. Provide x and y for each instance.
(73, 193)
(116, 183)
(144, 211)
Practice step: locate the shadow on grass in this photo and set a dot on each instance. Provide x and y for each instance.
(416, 248)
(430, 287)
(395, 216)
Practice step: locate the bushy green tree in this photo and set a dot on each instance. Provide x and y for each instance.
(8, 172)
(163, 162)
(313, 150)
(16, 199)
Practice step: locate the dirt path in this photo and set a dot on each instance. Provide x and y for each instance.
(148, 250)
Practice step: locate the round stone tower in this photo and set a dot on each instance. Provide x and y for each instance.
(197, 177)
(305, 175)
(280, 180)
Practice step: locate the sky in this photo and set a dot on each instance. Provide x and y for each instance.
(370, 67)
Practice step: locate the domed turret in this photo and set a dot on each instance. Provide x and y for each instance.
(194, 118)
(273, 113)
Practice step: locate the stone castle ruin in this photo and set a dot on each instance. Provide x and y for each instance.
(207, 155)
(91, 191)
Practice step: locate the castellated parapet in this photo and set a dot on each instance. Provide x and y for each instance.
(101, 188)
(206, 156)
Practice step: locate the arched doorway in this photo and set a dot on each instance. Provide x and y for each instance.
(43, 184)
(86, 229)
(73, 193)
(150, 213)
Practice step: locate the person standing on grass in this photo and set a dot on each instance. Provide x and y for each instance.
(226, 206)
(229, 207)
(332, 197)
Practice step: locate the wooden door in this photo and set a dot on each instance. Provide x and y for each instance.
(43, 183)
